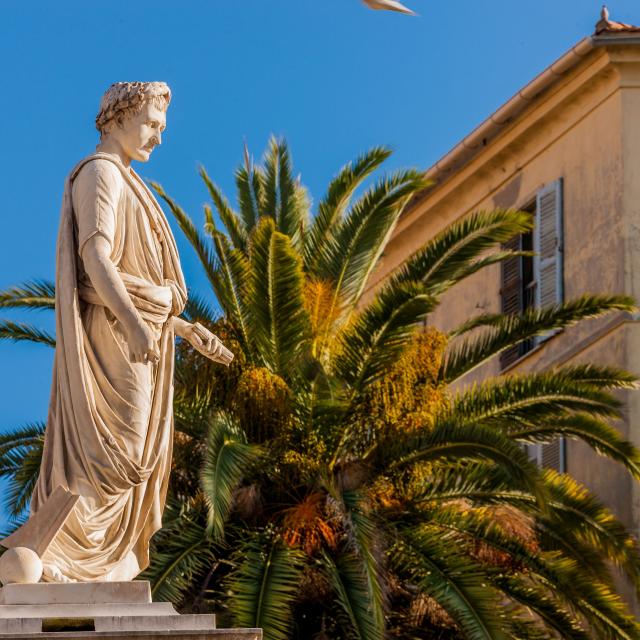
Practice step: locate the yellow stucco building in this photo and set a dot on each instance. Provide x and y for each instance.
(567, 148)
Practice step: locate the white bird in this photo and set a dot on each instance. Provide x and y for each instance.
(388, 5)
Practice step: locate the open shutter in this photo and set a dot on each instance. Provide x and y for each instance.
(549, 275)
(511, 294)
(548, 245)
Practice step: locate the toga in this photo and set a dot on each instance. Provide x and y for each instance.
(110, 423)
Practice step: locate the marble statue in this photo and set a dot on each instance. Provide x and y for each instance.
(119, 293)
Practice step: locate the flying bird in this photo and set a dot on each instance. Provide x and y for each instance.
(388, 5)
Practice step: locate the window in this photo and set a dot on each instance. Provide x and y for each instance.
(518, 291)
(537, 282)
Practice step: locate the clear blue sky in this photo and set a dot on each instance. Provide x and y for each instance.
(332, 76)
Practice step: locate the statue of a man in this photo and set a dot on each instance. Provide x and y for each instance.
(119, 290)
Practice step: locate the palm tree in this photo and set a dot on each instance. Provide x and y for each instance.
(330, 484)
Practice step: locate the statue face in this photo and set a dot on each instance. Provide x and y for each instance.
(139, 134)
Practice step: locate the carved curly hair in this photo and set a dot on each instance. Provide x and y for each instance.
(124, 99)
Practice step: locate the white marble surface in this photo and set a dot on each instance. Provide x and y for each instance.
(213, 634)
(137, 592)
(103, 607)
(15, 611)
(156, 623)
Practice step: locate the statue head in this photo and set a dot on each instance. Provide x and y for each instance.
(133, 115)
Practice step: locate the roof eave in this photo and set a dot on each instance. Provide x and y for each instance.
(465, 150)
(618, 38)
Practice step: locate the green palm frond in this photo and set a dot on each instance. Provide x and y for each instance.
(353, 251)
(597, 603)
(486, 261)
(537, 600)
(448, 440)
(478, 482)
(451, 255)
(198, 309)
(374, 341)
(600, 436)
(233, 288)
(555, 535)
(226, 462)
(365, 540)
(280, 322)
(193, 405)
(20, 457)
(601, 376)
(478, 527)
(182, 551)
(349, 584)
(332, 207)
(504, 331)
(20, 331)
(531, 398)
(585, 520)
(573, 521)
(234, 226)
(36, 294)
(25, 436)
(249, 181)
(566, 402)
(263, 585)
(23, 481)
(440, 569)
(280, 195)
(198, 242)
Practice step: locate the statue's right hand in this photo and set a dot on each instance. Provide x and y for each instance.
(142, 344)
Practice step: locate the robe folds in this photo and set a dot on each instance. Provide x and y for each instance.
(110, 424)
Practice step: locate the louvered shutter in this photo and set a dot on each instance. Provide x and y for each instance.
(553, 455)
(548, 268)
(548, 245)
(511, 294)
(549, 456)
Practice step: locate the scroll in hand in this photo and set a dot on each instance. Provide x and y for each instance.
(208, 344)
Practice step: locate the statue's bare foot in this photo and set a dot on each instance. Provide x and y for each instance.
(51, 573)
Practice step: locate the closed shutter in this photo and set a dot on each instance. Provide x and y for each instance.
(549, 456)
(553, 455)
(511, 294)
(549, 275)
(548, 245)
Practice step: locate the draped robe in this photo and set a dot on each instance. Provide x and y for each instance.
(110, 424)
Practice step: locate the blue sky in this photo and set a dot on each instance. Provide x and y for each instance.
(332, 76)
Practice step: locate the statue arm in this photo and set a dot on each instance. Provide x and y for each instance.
(108, 285)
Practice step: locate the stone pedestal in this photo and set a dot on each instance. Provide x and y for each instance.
(102, 610)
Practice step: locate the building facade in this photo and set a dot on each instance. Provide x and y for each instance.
(566, 148)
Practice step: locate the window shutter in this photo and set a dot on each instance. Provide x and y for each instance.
(549, 275)
(511, 294)
(553, 455)
(548, 246)
(549, 456)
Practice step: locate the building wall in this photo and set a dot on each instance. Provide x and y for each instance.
(586, 131)
(629, 66)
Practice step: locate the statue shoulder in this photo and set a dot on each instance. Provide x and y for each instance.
(97, 174)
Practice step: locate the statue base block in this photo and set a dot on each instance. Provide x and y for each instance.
(102, 610)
